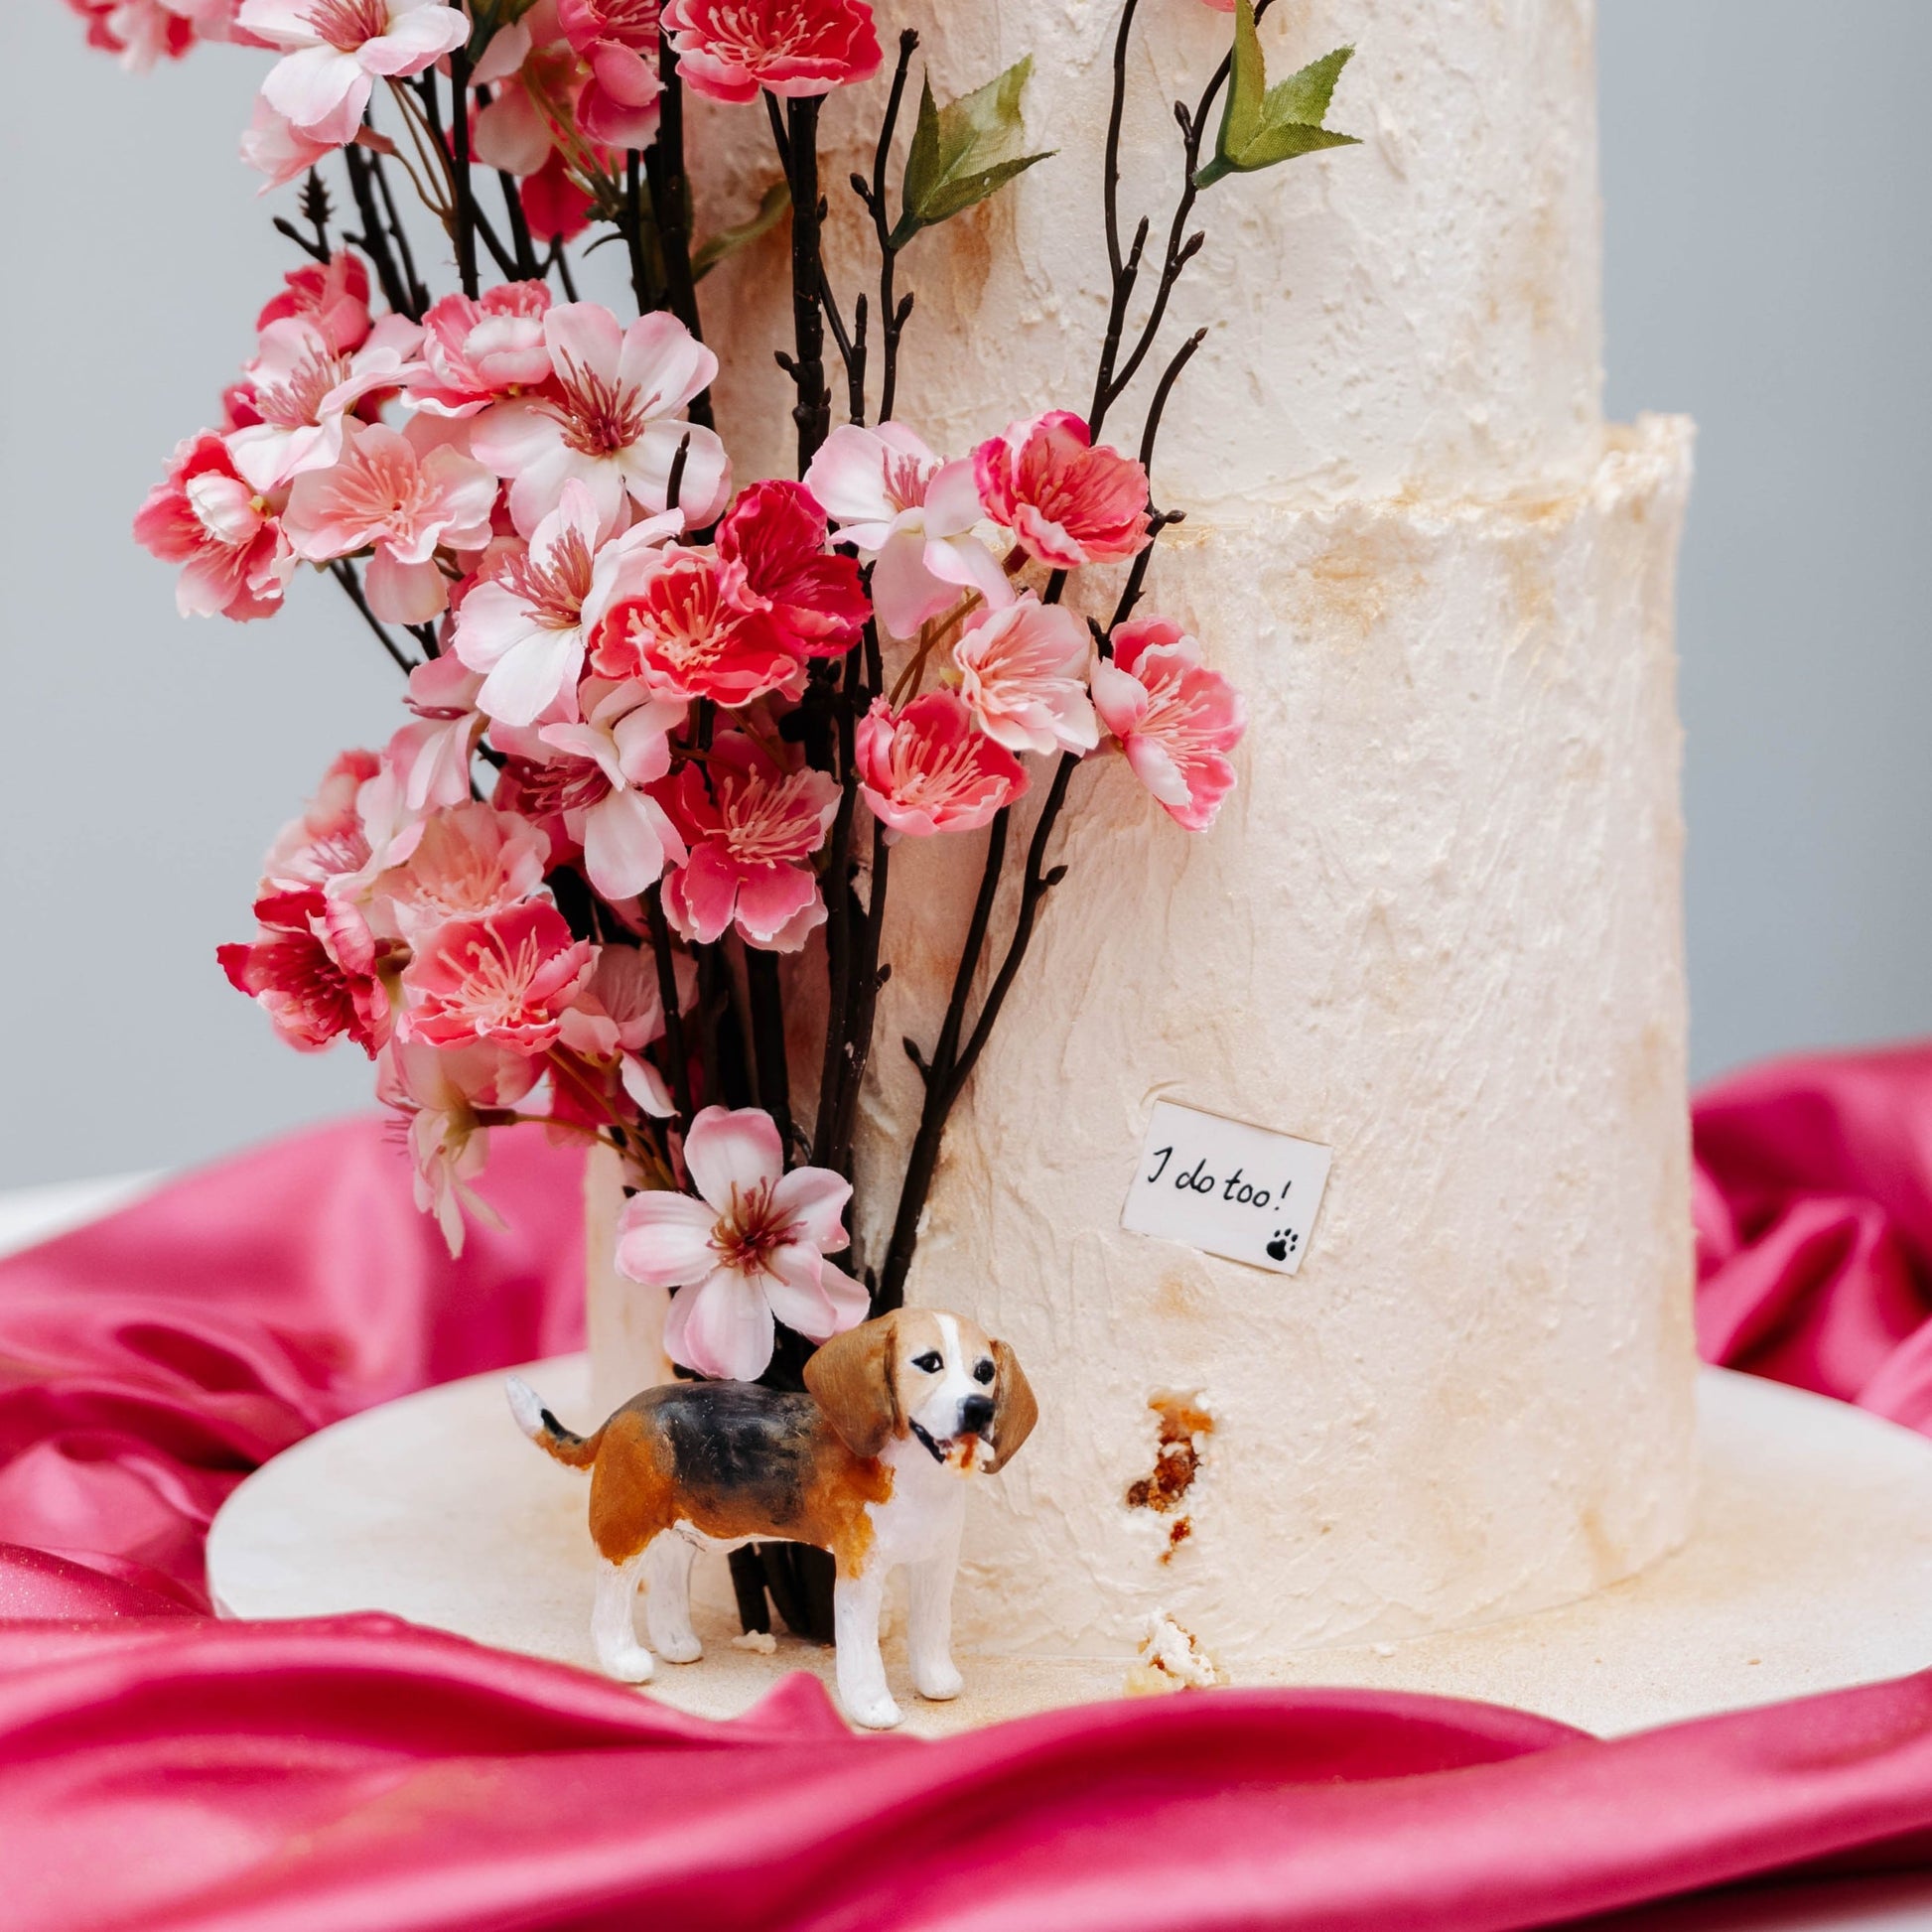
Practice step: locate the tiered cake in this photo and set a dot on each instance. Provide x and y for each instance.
(1436, 929)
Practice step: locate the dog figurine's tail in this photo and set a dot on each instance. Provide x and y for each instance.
(545, 1430)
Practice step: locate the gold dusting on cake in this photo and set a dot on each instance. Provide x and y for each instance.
(1347, 588)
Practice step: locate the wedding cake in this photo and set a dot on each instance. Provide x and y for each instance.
(1438, 928)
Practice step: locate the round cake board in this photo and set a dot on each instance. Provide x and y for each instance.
(1809, 1568)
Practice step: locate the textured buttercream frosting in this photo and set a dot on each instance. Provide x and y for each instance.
(1437, 927)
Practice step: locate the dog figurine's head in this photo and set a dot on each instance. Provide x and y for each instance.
(930, 1376)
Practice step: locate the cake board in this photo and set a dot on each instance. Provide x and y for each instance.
(1809, 1568)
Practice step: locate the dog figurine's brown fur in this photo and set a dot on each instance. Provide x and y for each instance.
(868, 1464)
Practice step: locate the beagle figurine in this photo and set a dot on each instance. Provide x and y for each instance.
(871, 1463)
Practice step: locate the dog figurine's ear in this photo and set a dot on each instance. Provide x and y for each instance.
(853, 1379)
(1014, 1409)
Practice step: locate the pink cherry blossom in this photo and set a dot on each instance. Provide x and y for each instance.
(335, 51)
(314, 969)
(523, 625)
(329, 841)
(430, 755)
(1176, 718)
(730, 49)
(477, 351)
(333, 295)
(302, 390)
(272, 147)
(1022, 673)
(752, 828)
(610, 422)
(677, 627)
(900, 505)
(626, 834)
(528, 624)
(467, 861)
(444, 1091)
(617, 1016)
(774, 543)
(236, 561)
(621, 1010)
(143, 31)
(930, 768)
(1066, 502)
(617, 41)
(534, 76)
(752, 1246)
(554, 204)
(406, 505)
(506, 978)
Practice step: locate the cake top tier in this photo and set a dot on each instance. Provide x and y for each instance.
(1418, 314)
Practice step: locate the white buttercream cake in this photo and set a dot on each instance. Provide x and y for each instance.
(1437, 928)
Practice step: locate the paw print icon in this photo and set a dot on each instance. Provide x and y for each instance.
(1283, 1243)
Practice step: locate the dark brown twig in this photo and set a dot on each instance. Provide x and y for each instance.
(893, 310)
(465, 193)
(660, 945)
(670, 200)
(344, 572)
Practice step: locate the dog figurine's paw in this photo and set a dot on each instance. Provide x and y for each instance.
(629, 1663)
(680, 1650)
(877, 1712)
(938, 1684)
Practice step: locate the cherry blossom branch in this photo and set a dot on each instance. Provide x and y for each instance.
(529, 269)
(893, 310)
(660, 945)
(670, 200)
(633, 232)
(798, 151)
(938, 1074)
(315, 211)
(468, 214)
(460, 216)
(952, 1063)
(560, 261)
(374, 239)
(1111, 383)
(417, 304)
(344, 572)
(836, 1062)
(522, 247)
(766, 1001)
(868, 978)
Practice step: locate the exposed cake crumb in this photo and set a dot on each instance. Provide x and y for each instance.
(1178, 1452)
(1176, 1461)
(763, 1641)
(1171, 1659)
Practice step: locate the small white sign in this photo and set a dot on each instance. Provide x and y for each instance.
(1227, 1188)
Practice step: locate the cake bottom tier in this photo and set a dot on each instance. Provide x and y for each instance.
(1437, 929)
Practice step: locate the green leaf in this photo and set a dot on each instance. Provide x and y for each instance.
(1260, 124)
(963, 152)
(726, 242)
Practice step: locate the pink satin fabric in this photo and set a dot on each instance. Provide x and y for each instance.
(162, 1769)
(1813, 1216)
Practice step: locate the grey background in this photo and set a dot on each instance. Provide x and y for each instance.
(1770, 271)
